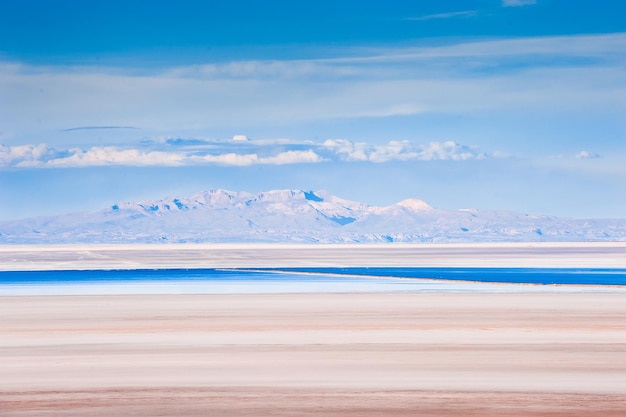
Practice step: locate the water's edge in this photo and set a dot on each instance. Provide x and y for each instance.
(308, 280)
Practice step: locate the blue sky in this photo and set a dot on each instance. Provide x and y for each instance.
(514, 104)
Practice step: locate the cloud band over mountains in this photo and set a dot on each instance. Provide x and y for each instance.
(187, 152)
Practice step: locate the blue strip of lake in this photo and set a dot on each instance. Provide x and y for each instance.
(546, 276)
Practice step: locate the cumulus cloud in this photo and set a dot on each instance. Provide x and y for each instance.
(42, 156)
(26, 155)
(448, 150)
(267, 152)
(101, 156)
(587, 155)
(292, 157)
(518, 3)
(401, 151)
(348, 150)
(240, 138)
(230, 159)
(283, 158)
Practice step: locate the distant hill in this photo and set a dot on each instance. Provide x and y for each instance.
(299, 216)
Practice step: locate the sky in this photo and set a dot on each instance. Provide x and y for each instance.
(488, 104)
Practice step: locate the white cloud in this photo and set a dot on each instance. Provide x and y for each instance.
(448, 150)
(292, 157)
(348, 150)
(101, 156)
(283, 158)
(394, 150)
(42, 156)
(230, 159)
(274, 153)
(587, 155)
(240, 138)
(518, 3)
(400, 151)
(25, 155)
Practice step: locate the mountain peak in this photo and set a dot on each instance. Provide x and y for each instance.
(280, 195)
(414, 204)
(298, 216)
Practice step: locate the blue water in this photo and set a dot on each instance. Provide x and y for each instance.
(136, 275)
(545, 276)
(187, 281)
(294, 280)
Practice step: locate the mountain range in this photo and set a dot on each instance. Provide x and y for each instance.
(300, 217)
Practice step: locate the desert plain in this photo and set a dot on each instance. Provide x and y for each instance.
(471, 353)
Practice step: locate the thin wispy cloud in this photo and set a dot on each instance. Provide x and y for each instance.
(518, 3)
(466, 13)
(384, 83)
(605, 47)
(72, 129)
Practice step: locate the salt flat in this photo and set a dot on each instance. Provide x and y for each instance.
(442, 354)
(545, 352)
(63, 257)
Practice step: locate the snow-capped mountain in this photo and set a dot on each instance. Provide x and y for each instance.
(298, 216)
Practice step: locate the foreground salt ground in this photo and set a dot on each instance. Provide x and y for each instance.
(443, 350)
(441, 354)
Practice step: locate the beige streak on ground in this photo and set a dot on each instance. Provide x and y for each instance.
(445, 354)
(564, 255)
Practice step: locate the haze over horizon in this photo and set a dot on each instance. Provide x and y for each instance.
(497, 104)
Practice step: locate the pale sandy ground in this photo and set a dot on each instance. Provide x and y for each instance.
(553, 353)
(394, 354)
(566, 255)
